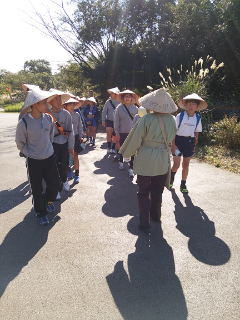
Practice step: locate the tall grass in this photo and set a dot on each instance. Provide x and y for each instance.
(195, 80)
(227, 132)
(13, 108)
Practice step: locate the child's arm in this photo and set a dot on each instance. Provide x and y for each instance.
(21, 135)
(196, 134)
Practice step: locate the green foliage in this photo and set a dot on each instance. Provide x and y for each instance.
(37, 66)
(13, 107)
(227, 132)
(196, 80)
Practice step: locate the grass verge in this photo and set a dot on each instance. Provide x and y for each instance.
(13, 108)
(220, 157)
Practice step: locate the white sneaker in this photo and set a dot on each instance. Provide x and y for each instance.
(130, 173)
(66, 186)
(58, 197)
(120, 166)
(108, 150)
(113, 151)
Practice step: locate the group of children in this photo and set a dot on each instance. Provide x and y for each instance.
(47, 136)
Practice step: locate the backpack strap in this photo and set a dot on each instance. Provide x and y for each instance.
(181, 119)
(112, 104)
(25, 122)
(57, 124)
(128, 112)
(198, 119)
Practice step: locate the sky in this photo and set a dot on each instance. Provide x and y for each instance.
(21, 42)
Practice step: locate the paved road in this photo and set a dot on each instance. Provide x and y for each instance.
(92, 262)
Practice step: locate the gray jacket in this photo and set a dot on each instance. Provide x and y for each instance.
(65, 119)
(77, 124)
(122, 120)
(35, 139)
(108, 110)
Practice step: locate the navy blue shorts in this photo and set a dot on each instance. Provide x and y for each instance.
(185, 145)
(109, 124)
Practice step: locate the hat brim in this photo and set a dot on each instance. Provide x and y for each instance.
(27, 87)
(135, 97)
(26, 108)
(202, 105)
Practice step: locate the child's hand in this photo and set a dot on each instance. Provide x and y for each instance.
(81, 140)
(173, 148)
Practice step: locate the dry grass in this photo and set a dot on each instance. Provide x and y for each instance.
(220, 157)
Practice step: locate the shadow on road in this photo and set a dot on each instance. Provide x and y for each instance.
(150, 289)
(121, 197)
(11, 198)
(195, 224)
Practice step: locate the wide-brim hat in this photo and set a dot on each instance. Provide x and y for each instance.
(135, 97)
(27, 87)
(34, 97)
(91, 99)
(80, 99)
(64, 96)
(113, 90)
(202, 105)
(71, 100)
(158, 101)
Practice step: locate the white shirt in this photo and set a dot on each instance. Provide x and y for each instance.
(188, 125)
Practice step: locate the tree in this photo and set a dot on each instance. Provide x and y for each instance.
(37, 66)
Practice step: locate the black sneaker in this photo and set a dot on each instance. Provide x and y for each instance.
(116, 158)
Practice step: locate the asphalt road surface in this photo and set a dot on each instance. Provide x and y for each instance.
(92, 262)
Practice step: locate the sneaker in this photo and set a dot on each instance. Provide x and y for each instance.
(130, 173)
(93, 142)
(50, 206)
(116, 158)
(58, 197)
(43, 220)
(108, 150)
(171, 184)
(120, 166)
(70, 175)
(113, 151)
(87, 138)
(76, 179)
(66, 186)
(183, 189)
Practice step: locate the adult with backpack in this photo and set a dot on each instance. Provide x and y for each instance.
(108, 117)
(184, 143)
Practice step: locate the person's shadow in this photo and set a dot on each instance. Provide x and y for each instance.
(151, 289)
(195, 224)
(11, 198)
(21, 244)
(121, 196)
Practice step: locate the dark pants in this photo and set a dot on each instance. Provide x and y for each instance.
(149, 195)
(43, 169)
(62, 160)
(123, 137)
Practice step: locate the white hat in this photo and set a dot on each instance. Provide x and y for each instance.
(34, 97)
(91, 99)
(81, 99)
(135, 97)
(158, 101)
(27, 87)
(71, 100)
(202, 105)
(64, 96)
(113, 90)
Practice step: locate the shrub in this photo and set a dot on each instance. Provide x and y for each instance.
(227, 132)
(14, 108)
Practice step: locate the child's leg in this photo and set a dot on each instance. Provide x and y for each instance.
(176, 163)
(94, 130)
(64, 161)
(35, 175)
(90, 131)
(76, 161)
(51, 178)
(185, 167)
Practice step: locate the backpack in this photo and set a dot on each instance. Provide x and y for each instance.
(181, 119)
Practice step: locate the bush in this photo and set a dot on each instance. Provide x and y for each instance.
(14, 107)
(227, 132)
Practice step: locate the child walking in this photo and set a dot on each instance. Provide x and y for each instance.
(78, 134)
(184, 143)
(34, 137)
(63, 141)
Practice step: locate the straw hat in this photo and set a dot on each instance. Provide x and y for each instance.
(64, 96)
(114, 90)
(91, 99)
(27, 87)
(158, 101)
(34, 97)
(71, 100)
(135, 97)
(81, 99)
(202, 105)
